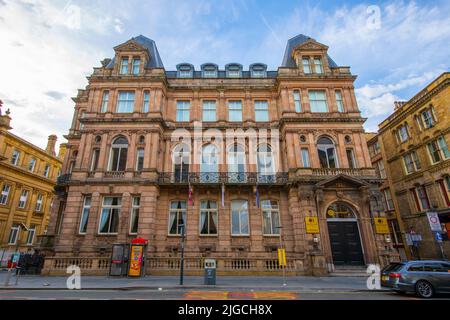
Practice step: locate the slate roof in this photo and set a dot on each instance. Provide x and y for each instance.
(288, 61)
(155, 60)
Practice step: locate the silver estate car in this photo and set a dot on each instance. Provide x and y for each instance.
(424, 278)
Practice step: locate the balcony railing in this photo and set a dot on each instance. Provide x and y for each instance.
(222, 178)
(63, 179)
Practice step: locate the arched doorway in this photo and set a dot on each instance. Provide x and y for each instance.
(344, 235)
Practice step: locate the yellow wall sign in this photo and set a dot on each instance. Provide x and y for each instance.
(381, 226)
(312, 225)
(136, 261)
(282, 257)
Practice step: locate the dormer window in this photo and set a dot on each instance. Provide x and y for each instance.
(124, 66)
(234, 71)
(258, 71)
(185, 71)
(209, 71)
(318, 65)
(136, 66)
(306, 65)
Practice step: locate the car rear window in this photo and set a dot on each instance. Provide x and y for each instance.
(393, 267)
(416, 267)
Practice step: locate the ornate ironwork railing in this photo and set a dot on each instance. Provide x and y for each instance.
(63, 179)
(222, 178)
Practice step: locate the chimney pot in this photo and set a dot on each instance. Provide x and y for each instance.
(51, 145)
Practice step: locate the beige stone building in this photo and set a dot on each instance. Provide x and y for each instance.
(27, 179)
(244, 159)
(411, 153)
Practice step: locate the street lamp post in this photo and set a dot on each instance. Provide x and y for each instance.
(182, 255)
(281, 247)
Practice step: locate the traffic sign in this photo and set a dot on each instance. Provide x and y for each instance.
(438, 237)
(433, 220)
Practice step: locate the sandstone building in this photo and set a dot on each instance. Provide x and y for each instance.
(244, 159)
(27, 179)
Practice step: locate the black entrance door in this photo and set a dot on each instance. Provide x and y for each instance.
(345, 243)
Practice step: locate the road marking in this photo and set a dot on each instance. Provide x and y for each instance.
(225, 295)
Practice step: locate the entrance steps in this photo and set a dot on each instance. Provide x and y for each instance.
(349, 271)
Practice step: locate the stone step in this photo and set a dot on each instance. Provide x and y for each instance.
(349, 271)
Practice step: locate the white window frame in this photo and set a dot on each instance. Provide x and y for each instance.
(403, 133)
(208, 213)
(177, 212)
(209, 107)
(269, 208)
(262, 109)
(31, 234)
(306, 161)
(318, 65)
(124, 67)
(15, 157)
(135, 211)
(240, 217)
(235, 107)
(39, 202)
(47, 170)
(110, 212)
(85, 213)
(136, 64)
(4, 196)
(339, 101)
(23, 199)
(389, 205)
(146, 101)
(183, 111)
(316, 104)
(298, 101)
(32, 165)
(140, 154)
(125, 102)
(14, 234)
(306, 65)
(105, 101)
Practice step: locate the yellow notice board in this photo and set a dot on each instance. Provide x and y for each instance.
(312, 225)
(282, 257)
(136, 261)
(381, 226)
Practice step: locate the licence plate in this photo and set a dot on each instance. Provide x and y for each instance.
(385, 278)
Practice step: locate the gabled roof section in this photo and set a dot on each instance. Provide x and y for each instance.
(155, 59)
(288, 61)
(344, 177)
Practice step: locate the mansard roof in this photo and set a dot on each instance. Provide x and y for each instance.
(155, 59)
(289, 62)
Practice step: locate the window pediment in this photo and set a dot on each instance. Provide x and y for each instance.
(130, 46)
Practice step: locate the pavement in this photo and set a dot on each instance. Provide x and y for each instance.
(299, 283)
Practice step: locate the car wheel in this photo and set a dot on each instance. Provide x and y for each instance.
(424, 289)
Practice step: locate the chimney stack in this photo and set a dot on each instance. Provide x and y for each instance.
(51, 145)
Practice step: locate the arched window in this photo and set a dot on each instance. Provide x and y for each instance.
(118, 155)
(340, 211)
(327, 153)
(266, 165)
(236, 163)
(181, 157)
(209, 166)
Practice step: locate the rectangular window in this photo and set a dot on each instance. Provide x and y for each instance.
(23, 199)
(318, 101)
(412, 163)
(271, 217)
(305, 158)
(105, 101)
(47, 171)
(235, 111)
(14, 234)
(339, 101)
(5, 195)
(403, 134)
(445, 189)
(209, 111)
(351, 159)
(185, 74)
(423, 198)
(427, 118)
(183, 111)
(261, 111)
(125, 104)
(297, 101)
(134, 223)
(318, 65)
(39, 201)
(239, 218)
(306, 65)
(94, 161)
(443, 147)
(109, 220)
(388, 199)
(136, 66)
(32, 165)
(146, 102)
(208, 218)
(233, 72)
(177, 217)
(15, 158)
(85, 214)
(30, 235)
(140, 160)
(124, 66)
(379, 167)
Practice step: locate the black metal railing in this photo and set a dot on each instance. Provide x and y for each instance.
(63, 179)
(222, 178)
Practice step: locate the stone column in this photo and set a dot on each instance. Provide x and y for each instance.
(155, 150)
(298, 222)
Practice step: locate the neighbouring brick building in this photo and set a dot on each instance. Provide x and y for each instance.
(275, 148)
(411, 152)
(27, 180)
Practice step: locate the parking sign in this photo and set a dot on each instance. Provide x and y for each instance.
(434, 222)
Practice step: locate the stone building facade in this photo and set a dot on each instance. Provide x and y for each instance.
(242, 159)
(27, 179)
(413, 146)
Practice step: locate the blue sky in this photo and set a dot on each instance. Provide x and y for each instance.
(51, 46)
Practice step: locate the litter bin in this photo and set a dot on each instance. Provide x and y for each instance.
(210, 272)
